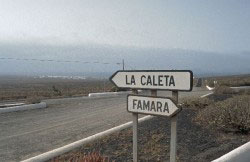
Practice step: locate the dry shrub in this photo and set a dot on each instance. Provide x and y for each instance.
(232, 114)
(116, 89)
(33, 100)
(80, 157)
(244, 91)
(94, 157)
(56, 91)
(198, 103)
(223, 90)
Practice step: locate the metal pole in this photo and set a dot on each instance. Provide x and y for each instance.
(123, 66)
(173, 131)
(154, 94)
(104, 85)
(135, 133)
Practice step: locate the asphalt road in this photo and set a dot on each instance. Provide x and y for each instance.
(26, 134)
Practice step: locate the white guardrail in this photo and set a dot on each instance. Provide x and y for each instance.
(101, 94)
(23, 107)
(108, 94)
(59, 151)
(240, 154)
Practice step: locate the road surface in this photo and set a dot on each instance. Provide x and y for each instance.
(26, 134)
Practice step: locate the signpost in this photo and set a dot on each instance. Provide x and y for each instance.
(162, 106)
(180, 80)
(135, 132)
(173, 80)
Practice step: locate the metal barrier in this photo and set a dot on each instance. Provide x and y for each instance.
(24, 107)
(240, 154)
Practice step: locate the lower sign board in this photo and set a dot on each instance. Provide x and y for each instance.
(152, 105)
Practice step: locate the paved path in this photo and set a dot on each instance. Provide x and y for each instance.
(25, 134)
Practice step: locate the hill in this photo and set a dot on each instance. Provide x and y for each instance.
(202, 63)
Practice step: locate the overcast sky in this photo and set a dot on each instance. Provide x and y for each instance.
(208, 25)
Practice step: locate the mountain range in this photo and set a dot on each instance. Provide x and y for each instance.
(103, 60)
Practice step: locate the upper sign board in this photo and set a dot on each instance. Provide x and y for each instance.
(179, 80)
(152, 105)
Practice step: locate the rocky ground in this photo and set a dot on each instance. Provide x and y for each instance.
(195, 142)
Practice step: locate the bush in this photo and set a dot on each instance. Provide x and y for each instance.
(232, 114)
(198, 103)
(116, 89)
(56, 91)
(33, 100)
(224, 90)
(244, 92)
(80, 157)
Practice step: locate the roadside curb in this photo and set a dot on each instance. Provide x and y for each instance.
(108, 94)
(206, 95)
(59, 151)
(101, 94)
(23, 107)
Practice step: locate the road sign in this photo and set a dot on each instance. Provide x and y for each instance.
(179, 80)
(151, 105)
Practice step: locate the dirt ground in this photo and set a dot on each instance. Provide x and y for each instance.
(17, 88)
(195, 142)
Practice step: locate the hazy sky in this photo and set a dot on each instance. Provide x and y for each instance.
(208, 25)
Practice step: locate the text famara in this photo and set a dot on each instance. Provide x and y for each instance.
(151, 105)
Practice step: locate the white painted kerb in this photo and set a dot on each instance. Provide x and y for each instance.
(54, 153)
(240, 154)
(108, 94)
(206, 95)
(23, 107)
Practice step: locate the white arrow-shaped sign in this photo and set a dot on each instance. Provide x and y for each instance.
(181, 80)
(151, 105)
